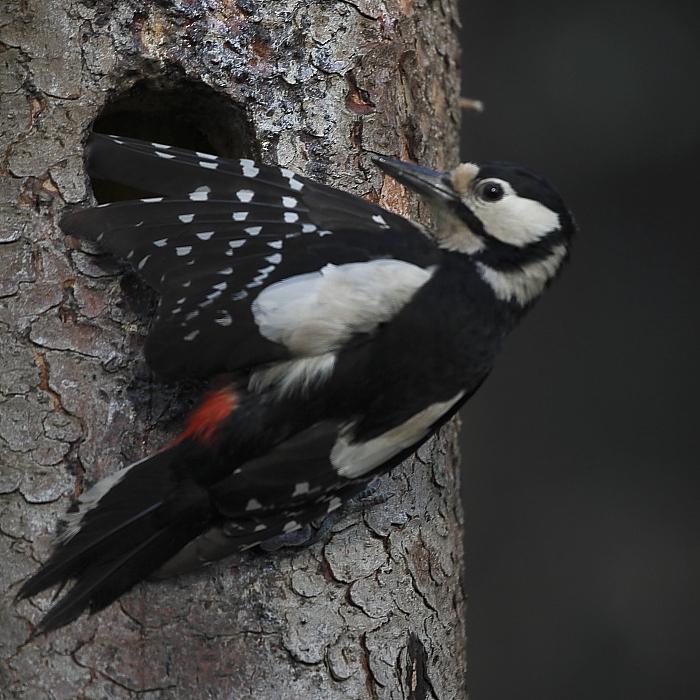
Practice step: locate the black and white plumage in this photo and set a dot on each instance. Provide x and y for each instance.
(349, 335)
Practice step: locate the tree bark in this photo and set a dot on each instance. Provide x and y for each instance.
(378, 610)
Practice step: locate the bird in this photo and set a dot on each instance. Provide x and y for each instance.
(337, 336)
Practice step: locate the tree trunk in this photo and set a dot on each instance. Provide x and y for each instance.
(377, 611)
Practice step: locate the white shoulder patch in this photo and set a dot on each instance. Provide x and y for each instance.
(314, 313)
(515, 220)
(354, 459)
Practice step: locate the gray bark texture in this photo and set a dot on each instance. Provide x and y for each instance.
(378, 610)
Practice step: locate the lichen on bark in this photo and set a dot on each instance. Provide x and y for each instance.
(377, 611)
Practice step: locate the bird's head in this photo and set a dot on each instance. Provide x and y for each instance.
(510, 221)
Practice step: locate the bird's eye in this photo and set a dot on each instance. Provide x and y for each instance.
(491, 191)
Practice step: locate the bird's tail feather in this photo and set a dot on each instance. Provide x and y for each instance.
(119, 533)
(95, 588)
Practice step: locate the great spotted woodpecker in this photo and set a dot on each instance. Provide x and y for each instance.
(350, 335)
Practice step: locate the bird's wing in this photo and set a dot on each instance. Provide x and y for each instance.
(233, 245)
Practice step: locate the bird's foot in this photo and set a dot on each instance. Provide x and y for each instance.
(320, 529)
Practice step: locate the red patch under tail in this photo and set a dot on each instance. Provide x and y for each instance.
(203, 423)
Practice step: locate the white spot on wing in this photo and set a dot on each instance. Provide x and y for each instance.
(237, 243)
(183, 250)
(275, 259)
(262, 275)
(275, 244)
(206, 156)
(143, 262)
(291, 217)
(161, 242)
(210, 165)
(253, 504)
(245, 195)
(379, 219)
(295, 184)
(210, 300)
(149, 200)
(300, 489)
(205, 235)
(355, 459)
(191, 336)
(160, 154)
(308, 228)
(334, 504)
(186, 218)
(240, 215)
(249, 170)
(289, 202)
(291, 526)
(253, 230)
(200, 194)
(224, 320)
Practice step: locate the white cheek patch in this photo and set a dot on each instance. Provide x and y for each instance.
(315, 313)
(353, 460)
(515, 220)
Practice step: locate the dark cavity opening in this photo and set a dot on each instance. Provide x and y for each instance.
(187, 114)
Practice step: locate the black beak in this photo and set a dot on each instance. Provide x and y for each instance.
(429, 183)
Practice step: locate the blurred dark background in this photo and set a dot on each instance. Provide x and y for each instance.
(581, 451)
